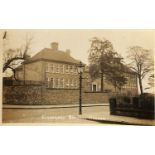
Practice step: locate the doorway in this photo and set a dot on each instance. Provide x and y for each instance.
(94, 87)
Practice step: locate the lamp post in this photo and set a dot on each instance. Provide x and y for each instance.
(80, 71)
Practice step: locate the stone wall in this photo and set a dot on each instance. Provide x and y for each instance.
(22, 94)
(60, 96)
(37, 95)
(95, 97)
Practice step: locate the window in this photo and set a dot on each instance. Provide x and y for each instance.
(67, 68)
(47, 82)
(76, 84)
(51, 84)
(57, 68)
(52, 68)
(72, 83)
(74, 69)
(61, 68)
(61, 83)
(71, 68)
(47, 67)
(67, 83)
(56, 83)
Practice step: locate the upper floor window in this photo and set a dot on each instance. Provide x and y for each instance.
(74, 69)
(52, 68)
(61, 68)
(47, 67)
(67, 69)
(57, 68)
(71, 68)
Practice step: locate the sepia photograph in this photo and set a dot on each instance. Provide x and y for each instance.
(78, 76)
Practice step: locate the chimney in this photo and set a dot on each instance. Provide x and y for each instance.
(54, 46)
(68, 51)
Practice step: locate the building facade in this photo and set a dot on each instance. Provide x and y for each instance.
(58, 70)
(55, 68)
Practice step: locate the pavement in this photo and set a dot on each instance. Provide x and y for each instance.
(68, 114)
(10, 106)
(115, 119)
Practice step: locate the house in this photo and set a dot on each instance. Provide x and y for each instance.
(53, 67)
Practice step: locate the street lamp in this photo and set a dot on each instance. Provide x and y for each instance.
(80, 71)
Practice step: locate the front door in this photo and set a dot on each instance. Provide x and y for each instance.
(94, 87)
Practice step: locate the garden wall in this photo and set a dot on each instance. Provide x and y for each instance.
(37, 95)
(22, 94)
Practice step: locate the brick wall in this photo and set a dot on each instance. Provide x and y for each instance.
(36, 95)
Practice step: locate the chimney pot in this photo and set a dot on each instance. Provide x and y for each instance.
(68, 51)
(54, 46)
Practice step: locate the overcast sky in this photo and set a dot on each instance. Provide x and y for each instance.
(78, 40)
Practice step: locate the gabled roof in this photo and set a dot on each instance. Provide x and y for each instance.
(49, 54)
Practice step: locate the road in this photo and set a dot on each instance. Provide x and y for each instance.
(53, 115)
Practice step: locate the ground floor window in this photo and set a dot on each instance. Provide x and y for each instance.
(61, 83)
(47, 82)
(51, 83)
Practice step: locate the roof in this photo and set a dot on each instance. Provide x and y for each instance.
(49, 54)
(128, 70)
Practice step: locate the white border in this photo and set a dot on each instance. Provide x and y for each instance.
(81, 14)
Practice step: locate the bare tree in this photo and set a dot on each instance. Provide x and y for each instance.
(141, 62)
(12, 58)
(151, 82)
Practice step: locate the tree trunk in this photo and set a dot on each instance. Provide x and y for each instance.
(140, 84)
(102, 82)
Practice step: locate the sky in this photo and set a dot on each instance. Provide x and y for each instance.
(78, 40)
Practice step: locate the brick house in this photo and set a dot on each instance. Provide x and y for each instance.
(54, 67)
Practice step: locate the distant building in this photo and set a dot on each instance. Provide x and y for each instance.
(130, 88)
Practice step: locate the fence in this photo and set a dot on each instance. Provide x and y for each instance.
(138, 106)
